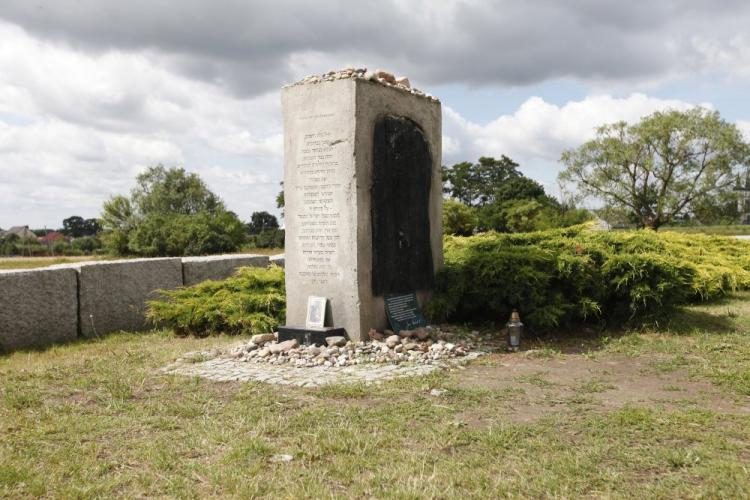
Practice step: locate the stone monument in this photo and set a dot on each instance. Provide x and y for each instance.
(363, 195)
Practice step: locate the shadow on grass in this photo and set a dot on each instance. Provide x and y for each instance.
(111, 338)
(718, 317)
(691, 321)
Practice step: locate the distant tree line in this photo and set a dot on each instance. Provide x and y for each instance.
(493, 195)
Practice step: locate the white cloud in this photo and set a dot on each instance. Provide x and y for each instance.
(76, 127)
(538, 132)
(86, 103)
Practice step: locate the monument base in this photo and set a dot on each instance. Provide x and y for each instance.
(308, 336)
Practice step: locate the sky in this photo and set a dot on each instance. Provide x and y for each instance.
(92, 92)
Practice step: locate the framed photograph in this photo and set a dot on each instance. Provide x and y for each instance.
(316, 312)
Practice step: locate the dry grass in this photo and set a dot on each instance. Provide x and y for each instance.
(97, 419)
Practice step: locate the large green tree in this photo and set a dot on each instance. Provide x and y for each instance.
(262, 221)
(76, 226)
(170, 212)
(659, 168)
(477, 184)
(492, 194)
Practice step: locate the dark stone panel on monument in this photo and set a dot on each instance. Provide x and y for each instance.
(401, 180)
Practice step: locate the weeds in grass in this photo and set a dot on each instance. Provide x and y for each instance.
(97, 419)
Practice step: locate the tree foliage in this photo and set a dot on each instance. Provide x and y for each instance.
(478, 184)
(251, 301)
(494, 195)
(262, 221)
(170, 212)
(572, 275)
(76, 226)
(663, 166)
(458, 219)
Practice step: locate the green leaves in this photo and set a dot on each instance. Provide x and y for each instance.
(251, 301)
(573, 275)
(170, 213)
(661, 167)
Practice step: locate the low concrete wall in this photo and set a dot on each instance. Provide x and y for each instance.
(112, 294)
(37, 308)
(217, 267)
(278, 260)
(59, 303)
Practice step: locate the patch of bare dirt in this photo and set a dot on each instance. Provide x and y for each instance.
(573, 383)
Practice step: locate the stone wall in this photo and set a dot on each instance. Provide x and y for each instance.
(112, 295)
(217, 267)
(58, 304)
(37, 308)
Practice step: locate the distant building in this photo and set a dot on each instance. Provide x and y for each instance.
(22, 232)
(51, 237)
(743, 201)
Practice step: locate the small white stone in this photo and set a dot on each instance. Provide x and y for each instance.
(403, 81)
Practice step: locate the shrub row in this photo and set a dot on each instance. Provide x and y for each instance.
(555, 277)
(562, 276)
(251, 301)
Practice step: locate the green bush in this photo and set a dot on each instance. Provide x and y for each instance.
(458, 219)
(86, 244)
(270, 238)
(574, 274)
(251, 301)
(555, 277)
(203, 233)
(170, 212)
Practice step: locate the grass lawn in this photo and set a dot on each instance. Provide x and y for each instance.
(36, 262)
(96, 419)
(262, 251)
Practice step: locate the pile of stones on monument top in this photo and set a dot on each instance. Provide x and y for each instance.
(419, 346)
(380, 76)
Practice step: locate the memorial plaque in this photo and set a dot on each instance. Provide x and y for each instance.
(403, 312)
(401, 180)
(316, 312)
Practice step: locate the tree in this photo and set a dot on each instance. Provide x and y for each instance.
(477, 184)
(262, 221)
(458, 219)
(280, 199)
(76, 226)
(170, 212)
(494, 195)
(660, 167)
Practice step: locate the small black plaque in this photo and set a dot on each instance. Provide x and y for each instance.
(403, 312)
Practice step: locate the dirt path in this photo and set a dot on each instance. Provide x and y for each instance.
(574, 383)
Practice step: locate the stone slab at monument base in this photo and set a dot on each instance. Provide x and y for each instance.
(307, 336)
(363, 198)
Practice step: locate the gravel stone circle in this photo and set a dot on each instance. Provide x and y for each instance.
(415, 346)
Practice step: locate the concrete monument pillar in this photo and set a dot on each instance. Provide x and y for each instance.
(363, 195)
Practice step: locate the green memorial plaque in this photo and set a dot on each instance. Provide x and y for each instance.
(403, 311)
